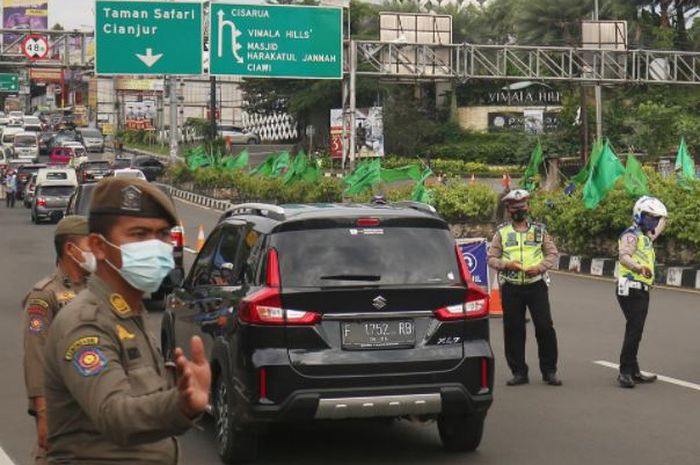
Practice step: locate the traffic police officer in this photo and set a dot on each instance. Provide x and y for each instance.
(42, 303)
(522, 252)
(109, 396)
(636, 276)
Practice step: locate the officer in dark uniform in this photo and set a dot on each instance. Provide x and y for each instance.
(110, 398)
(522, 252)
(73, 264)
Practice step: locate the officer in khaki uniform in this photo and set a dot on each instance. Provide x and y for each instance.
(110, 398)
(522, 252)
(41, 305)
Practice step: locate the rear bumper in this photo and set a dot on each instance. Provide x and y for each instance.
(381, 402)
(50, 213)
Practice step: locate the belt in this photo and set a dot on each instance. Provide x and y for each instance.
(639, 285)
(534, 280)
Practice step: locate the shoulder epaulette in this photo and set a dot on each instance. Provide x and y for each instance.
(40, 285)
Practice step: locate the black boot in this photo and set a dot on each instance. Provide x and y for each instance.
(517, 380)
(625, 381)
(639, 378)
(552, 379)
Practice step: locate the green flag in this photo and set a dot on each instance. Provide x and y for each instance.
(404, 173)
(312, 173)
(582, 175)
(371, 176)
(531, 176)
(264, 169)
(197, 158)
(420, 192)
(359, 171)
(236, 163)
(296, 169)
(636, 181)
(280, 165)
(685, 166)
(605, 170)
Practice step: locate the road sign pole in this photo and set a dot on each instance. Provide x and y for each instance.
(212, 107)
(598, 94)
(173, 118)
(353, 103)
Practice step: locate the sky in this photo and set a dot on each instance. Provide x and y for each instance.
(72, 14)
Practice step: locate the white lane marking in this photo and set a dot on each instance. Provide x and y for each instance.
(5, 459)
(187, 249)
(665, 379)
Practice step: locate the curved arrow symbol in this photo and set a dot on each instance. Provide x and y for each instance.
(149, 59)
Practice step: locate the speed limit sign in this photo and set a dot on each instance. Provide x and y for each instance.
(35, 47)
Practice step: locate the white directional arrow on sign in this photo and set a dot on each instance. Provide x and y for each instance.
(149, 59)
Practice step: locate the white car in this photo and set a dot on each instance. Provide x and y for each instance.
(31, 124)
(128, 173)
(78, 148)
(4, 120)
(16, 118)
(26, 145)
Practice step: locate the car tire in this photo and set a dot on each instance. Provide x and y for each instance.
(461, 433)
(232, 444)
(252, 141)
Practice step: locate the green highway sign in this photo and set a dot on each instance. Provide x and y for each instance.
(9, 83)
(276, 41)
(144, 37)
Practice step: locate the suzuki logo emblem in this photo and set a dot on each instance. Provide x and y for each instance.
(379, 302)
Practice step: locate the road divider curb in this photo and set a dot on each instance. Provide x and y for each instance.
(673, 276)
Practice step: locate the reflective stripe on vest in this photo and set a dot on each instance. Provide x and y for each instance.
(644, 255)
(524, 247)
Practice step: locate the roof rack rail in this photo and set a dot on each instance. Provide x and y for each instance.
(420, 206)
(259, 209)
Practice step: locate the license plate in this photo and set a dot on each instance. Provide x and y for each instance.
(378, 334)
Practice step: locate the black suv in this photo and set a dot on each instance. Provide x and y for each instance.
(335, 311)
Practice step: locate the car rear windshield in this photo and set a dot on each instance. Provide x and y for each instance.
(56, 191)
(91, 133)
(8, 138)
(97, 165)
(56, 176)
(366, 256)
(25, 141)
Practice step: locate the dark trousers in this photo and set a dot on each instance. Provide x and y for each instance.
(10, 199)
(534, 297)
(635, 307)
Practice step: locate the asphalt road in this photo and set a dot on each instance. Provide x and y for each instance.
(588, 420)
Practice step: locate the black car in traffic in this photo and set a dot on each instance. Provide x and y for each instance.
(328, 311)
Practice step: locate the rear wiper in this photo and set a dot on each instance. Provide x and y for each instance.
(353, 277)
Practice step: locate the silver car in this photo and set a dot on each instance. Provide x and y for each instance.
(50, 201)
(238, 135)
(92, 139)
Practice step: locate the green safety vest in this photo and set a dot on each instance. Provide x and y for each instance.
(524, 247)
(644, 255)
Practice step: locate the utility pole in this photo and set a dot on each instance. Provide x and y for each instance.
(212, 106)
(598, 91)
(172, 86)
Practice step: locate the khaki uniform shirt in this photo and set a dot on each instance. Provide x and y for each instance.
(109, 398)
(41, 305)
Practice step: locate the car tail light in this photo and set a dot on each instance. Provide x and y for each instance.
(262, 382)
(176, 237)
(265, 306)
(476, 306)
(41, 202)
(367, 222)
(463, 268)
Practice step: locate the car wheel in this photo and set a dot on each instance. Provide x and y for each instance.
(233, 445)
(252, 141)
(461, 433)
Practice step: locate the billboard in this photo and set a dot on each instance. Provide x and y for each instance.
(140, 115)
(369, 135)
(474, 252)
(24, 15)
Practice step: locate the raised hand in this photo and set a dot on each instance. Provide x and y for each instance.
(194, 379)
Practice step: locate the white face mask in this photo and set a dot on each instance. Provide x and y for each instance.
(145, 264)
(89, 262)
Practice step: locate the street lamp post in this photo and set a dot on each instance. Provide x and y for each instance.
(598, 91)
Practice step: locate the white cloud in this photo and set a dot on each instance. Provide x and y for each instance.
(72, 14)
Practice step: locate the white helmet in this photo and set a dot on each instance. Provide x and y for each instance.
(649, 205)
(516, 196)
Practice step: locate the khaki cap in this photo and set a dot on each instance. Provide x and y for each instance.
(131, 197)
(74, 225)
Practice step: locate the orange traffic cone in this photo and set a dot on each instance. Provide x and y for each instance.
(200, 238)
(472, 181)
(495, 306)
(505, 181)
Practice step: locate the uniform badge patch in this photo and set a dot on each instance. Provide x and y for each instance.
(90, 361)
(36, 323)
(77, 344)
(65, 296)
(123, 334)
(131, 198)
(631, 239)
(119, 304)
(38, 302)
(37, 310)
